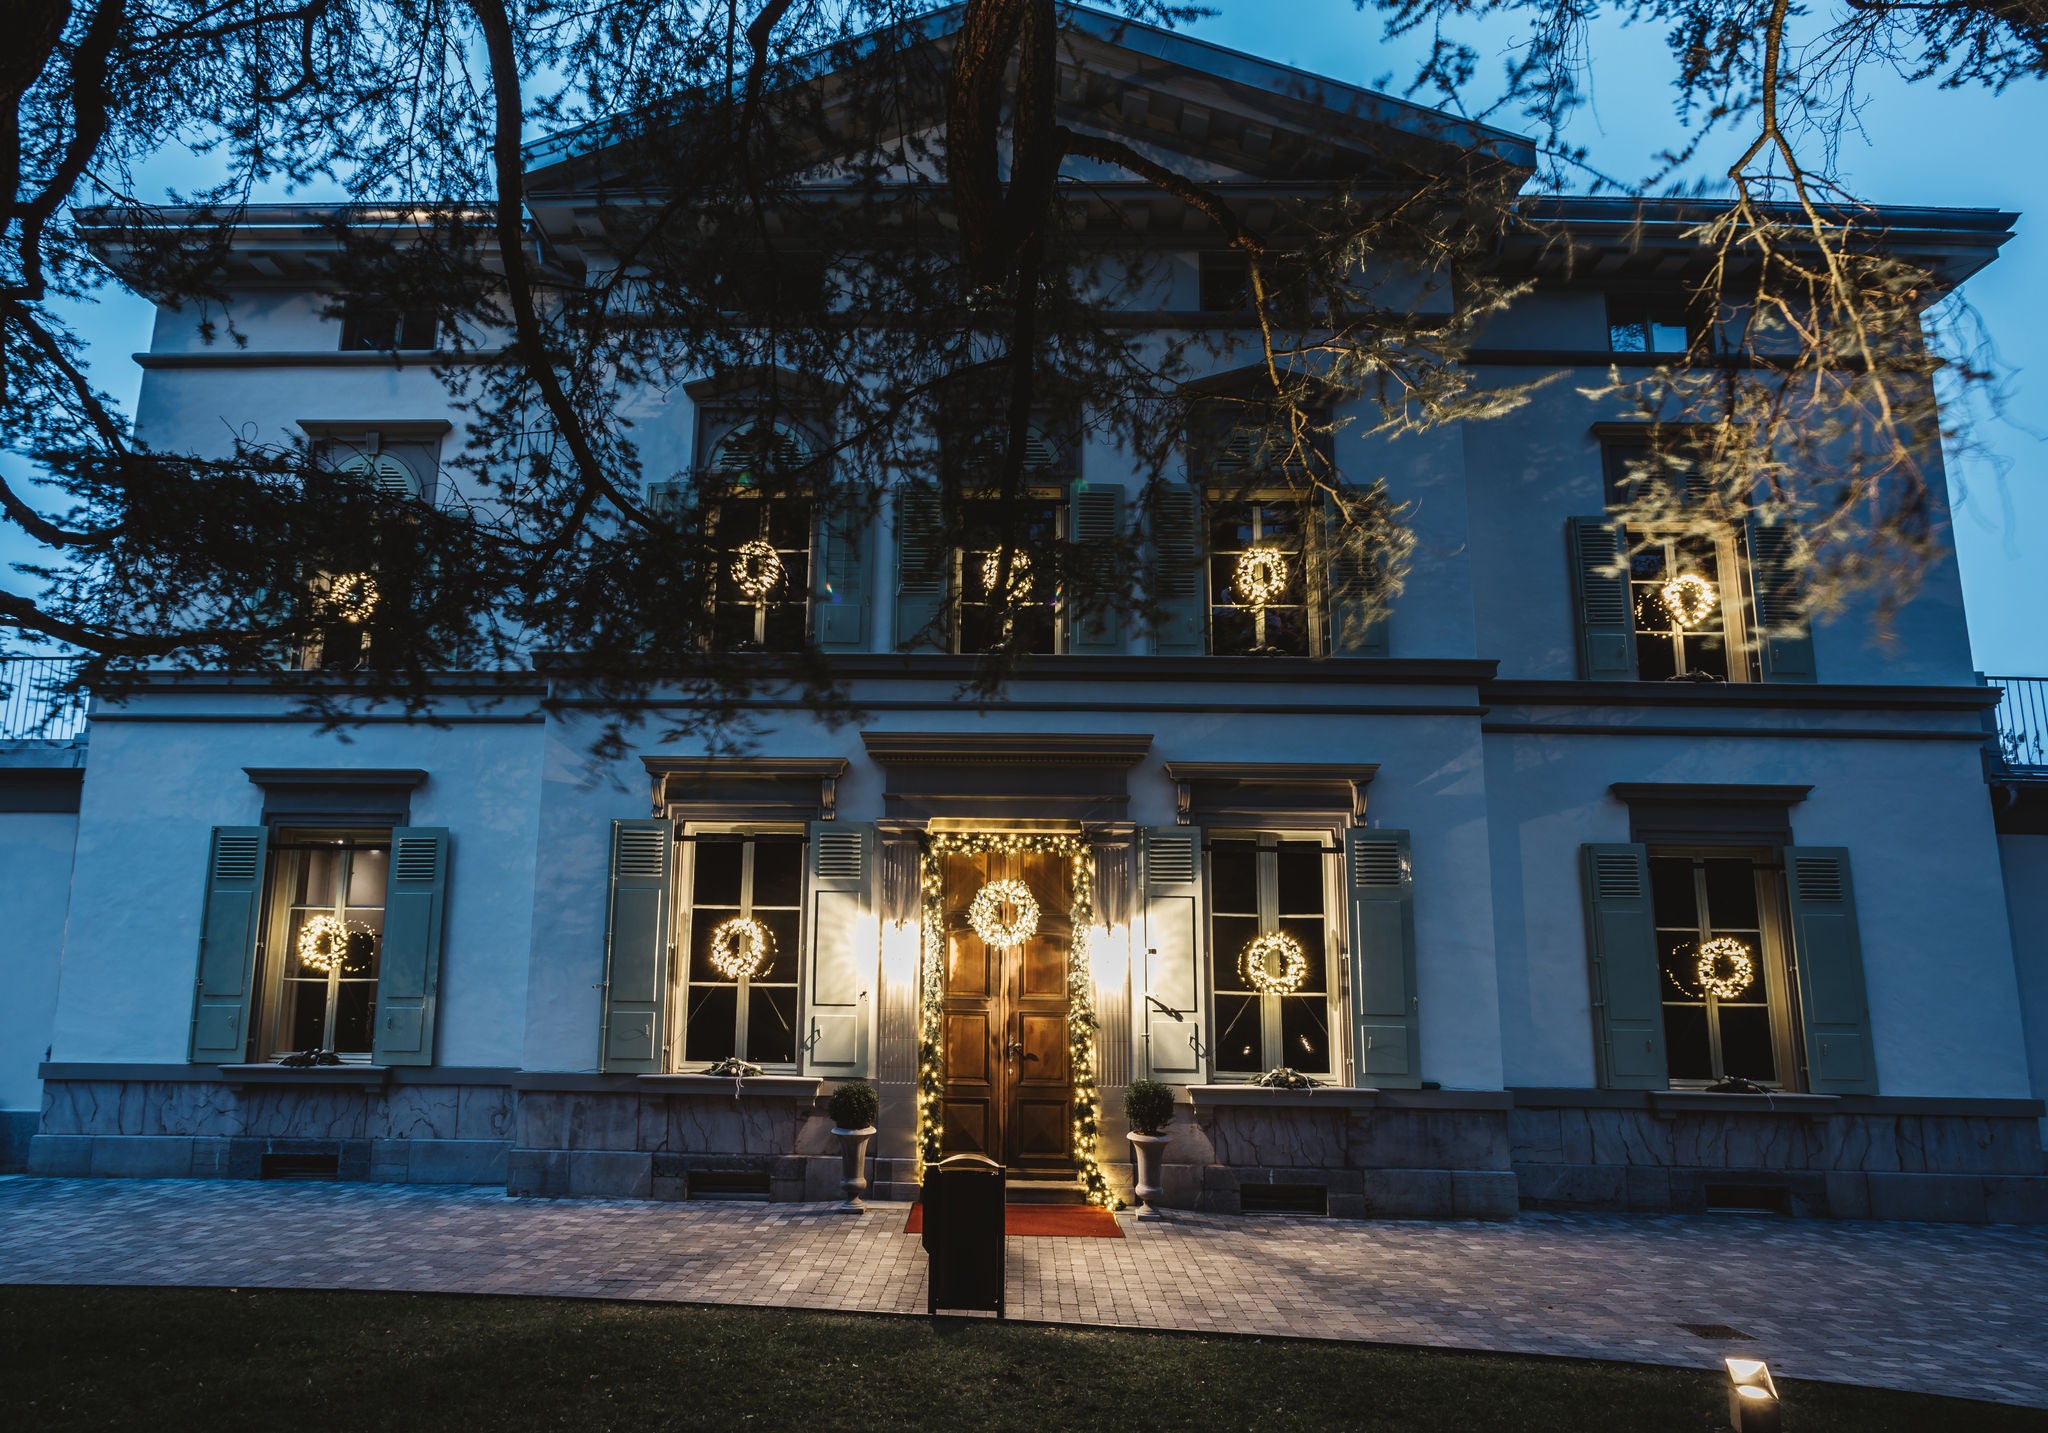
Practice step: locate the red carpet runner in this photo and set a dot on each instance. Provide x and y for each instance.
(1044, 1221)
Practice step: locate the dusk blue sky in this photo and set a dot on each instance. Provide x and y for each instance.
(1916, 144)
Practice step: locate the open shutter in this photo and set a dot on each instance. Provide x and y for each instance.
(1386, 1050)
(409, 969)
(636, 947)
(1351, 583)
(1829, 959)
(845, 943)
(1095, 527)
(227, 944)
(1784, 640)
(1607, 646)
(1175, 1043)
(1179, 586)
(920, 569)
(1621, 944)
(845, 583)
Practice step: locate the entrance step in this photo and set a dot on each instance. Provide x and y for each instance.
(1027, 1189)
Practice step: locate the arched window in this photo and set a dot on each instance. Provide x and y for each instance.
(383, 471)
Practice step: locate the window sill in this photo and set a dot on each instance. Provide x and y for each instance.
(1666, 1104)
(788, 1087)
(272, 1074)
(1265, 1097)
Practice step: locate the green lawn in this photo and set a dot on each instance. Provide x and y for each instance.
(289, 1362)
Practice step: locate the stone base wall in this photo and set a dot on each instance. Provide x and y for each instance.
(17, 1128)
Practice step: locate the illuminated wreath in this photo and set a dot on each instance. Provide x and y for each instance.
(352, 597)
(1725, 969)
(1689, 598)
(324, 939)
(1020, 574)
(1255, 961)
(757, 568)
(740, 948)
(1261, 574)
(1004, 913)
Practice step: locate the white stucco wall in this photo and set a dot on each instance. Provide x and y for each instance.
(2025, 862)
(35, 885)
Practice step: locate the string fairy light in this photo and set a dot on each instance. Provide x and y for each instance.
(352, 597)
(931, 1060)
(1255, 961)
(1261, 575)
(757, 568)
(1740, 969)
(1020, 574)
(1004, 913)
(1689, 598)
(324, 942)
(740, 948)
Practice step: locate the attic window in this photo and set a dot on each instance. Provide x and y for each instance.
(758, 452)
(383, 471)
(1226, 281)
(1637, 325)
(389, 330)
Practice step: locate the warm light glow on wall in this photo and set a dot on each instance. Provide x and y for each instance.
(900, 945)
(1109, 957)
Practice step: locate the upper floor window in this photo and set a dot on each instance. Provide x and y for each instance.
(1685, 594)
(1033, 528)
(759, 519)
(327, 894)
(1720, 968)
(389, 329)
(1263, 596)
(1270, 966)
(1649, 325)
(403, 467)
(1225, 279)
(744, 946)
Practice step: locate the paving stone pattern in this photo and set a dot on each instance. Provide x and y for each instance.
(1941, 1308)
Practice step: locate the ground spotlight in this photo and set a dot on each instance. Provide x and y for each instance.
(1752, 1396)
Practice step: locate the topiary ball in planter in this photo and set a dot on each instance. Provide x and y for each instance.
(1149, 1106)
(853, 1105)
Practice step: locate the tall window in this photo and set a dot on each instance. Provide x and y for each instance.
(327, 933)
(1272, 996)
(745, 934)
(1030, 620)
(759, 521)
(1258, 583)
(1685, 592)
(1724, 1012)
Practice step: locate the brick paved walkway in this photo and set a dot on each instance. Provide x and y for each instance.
(1943, 1308)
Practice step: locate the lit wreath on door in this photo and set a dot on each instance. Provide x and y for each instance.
(1004, 913)
(1255, 962)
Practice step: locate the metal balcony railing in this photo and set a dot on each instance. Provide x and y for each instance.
(33, 706)
(2023, 723)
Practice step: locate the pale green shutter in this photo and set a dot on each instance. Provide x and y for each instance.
(920, 571)
(409, 966)
(1621, 945)
(844, 583)
(1380, 883)
(1095, 528)
(1357, 623)
(1175, 1040)
(1180, 588)
(227, 944)
(1606, 633)
(1784, 641)
(636, 947)
(1829, 958)
(844, 942)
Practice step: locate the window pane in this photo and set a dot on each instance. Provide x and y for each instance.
(305, 1015)
(778, 873)
(708, 1031)
(1731, 895)
(716, 880)
(1746, 1043)
(365, 944)
(784, 931)
(1305, 1032)
(1309, 933)
(1237, 1035)
(354, 1017)
(1231, 934)
(771, 1026)
(1685, 1043)
(1301, 878)
(1234, 877)
(1627, 337)
(1678, 970)
(1671, 893)
(315, 878)
(368, 875)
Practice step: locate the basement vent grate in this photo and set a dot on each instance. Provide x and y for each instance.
(1312, 1199)
(1716, 1331)
(1748, 1199)
(303, 1168)
(739, 1186)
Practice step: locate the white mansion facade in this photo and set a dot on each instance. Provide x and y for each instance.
(1558, 932)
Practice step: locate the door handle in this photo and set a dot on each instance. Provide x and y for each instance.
(1015, 1047)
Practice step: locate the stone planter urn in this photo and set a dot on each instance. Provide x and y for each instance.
(1149, 1150)
(853, 1163)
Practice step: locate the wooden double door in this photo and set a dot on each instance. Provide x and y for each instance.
(1009, 1088)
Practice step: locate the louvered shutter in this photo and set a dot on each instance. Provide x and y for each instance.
(920, 570)
(845, 943)
(1179, 586)
(636, 948)
(1380, 882)
(1176, 1042)
(1783, 638)
(1607, 649)
(1829, 958)
(1358, 624)
(1621, 945)
(235, 862)
(665, 500)
(387, 474)
(409, 966)
(845, 583)
(1095, 524)
(756, 450)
